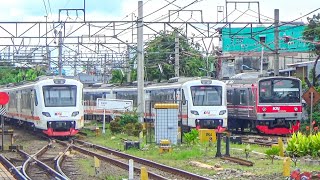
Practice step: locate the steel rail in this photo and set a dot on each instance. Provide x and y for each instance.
(116, 162)
(17, 174)
(40, 164)
(146, 162)
(58, 161)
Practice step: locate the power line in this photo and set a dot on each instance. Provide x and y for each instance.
(45, 7)
(49, 7)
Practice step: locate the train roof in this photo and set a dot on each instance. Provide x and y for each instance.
(173, 82)
(249, 80)
(39, 79)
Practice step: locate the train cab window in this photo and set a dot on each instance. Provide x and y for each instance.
(35, 97)
(243, 97)
(56, 96)
(229, 96)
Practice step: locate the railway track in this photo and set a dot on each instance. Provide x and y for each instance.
(155, 170)
(41, 165)
(267, 141)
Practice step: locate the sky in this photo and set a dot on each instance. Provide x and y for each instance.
(28, 10)
(153, 10)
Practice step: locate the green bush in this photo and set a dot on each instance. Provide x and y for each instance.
(128, 118)
(115, 126)
(137, 129)
(128, 129)
(191, 137)
(272, 153)
(302, 145)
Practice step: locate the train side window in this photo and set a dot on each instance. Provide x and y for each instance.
(243, 97)
(35, 97)
(183, 98)
(229, 96)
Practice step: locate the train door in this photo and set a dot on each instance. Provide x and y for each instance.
(243, 109)
(230, 104)
(251, 104)
(184, 108)
(19, 103)
(236, 103)
(32, 102)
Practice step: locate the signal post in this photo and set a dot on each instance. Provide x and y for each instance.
(4, 99)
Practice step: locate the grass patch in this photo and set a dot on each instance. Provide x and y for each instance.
(201, 152)
(87, 166)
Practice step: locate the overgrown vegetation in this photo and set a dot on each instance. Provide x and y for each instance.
(127, 123)
(302, 145)
(312, 34)
(191, 137)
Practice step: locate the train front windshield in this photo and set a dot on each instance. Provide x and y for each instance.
(60, 96)
(206, 95)
(279, 91)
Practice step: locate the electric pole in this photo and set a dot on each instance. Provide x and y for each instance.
(276, 42)
(47, 47)
(104, 68)
(60, 53)
(140, 67)
(128, 65)
(176, 54)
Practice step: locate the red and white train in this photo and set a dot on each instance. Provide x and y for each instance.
(270, 105)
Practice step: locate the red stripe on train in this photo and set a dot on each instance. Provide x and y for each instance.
(279, 109)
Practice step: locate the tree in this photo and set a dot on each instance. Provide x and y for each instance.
(312, 34)
(15, 75)
(161, 52)
(117, 76)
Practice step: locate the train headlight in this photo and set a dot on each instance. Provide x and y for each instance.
(194, 112)
(296, 109)
(46, 114)
(222, 112)
(75, 113)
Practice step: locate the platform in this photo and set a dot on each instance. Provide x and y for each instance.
(5, 174)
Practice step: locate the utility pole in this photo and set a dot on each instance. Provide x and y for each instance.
(176, 54)
(128, 65)
(47, 47)
(276, 42)
(140, 67)
(104, 68)
(60, 53)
